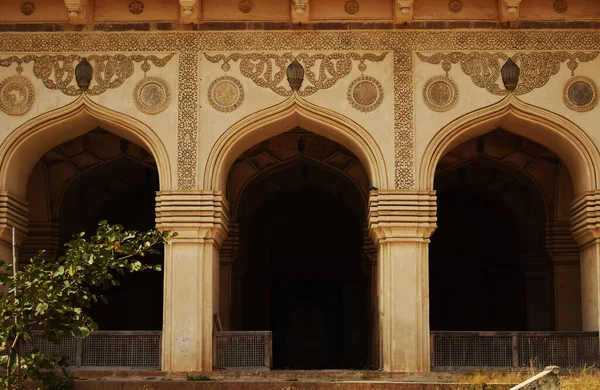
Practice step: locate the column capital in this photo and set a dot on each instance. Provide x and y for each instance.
(193, 214)
(397, 215)
(585, 218)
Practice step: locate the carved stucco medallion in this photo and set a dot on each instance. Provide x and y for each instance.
(27, 8)
(152, 95)
(245, 6)
(351, 7)
(365, 93)
(16, 95)
(560, 6)
(136, 7)
(225, 94)
(440, 93)
(581, 94)
(455, 6)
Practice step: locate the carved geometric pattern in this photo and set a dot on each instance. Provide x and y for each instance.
(455, 6)
(245, 6)
(16, 95)
(402, 43)
(268, 70)
(27, 8)
(365, 93)
(580, 94)
(560, 6)
(225, 94)
(136, 7)
(440, 93)
(484, 68)
(152, 95)
(351, 7)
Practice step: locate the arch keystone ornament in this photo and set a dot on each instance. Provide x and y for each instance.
(152, 95)
(16, 95)
(580, 94)
(225, 94)
(510, 75)
(440, 93)
(295, 75)
(365, 93)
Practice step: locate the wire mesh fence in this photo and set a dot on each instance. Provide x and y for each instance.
(464, 350)
(135, 349)
(239, 349)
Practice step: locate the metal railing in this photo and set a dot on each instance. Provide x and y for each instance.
(473, 350)
(134, 349)
(242, 349)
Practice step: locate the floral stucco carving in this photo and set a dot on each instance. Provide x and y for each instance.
(110, 71)
(322, 71)
(189, 45)
(484, 68)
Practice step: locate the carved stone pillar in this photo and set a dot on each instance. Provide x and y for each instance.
(229, 252)
(535, 267)
(564, 252)
(13, 213)
(191, 275)
(400, 224)
(585, 226)
(41, 236)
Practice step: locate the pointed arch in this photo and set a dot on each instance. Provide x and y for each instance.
(555, 132)
(294, 112)
(30, 141)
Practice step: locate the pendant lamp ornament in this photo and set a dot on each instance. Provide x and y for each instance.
(510, 75)
(295, 75)
(83, 74)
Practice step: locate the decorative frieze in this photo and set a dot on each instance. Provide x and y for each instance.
(110, 71)
(322, 71)
(484, 67)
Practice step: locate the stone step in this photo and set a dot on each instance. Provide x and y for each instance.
(274, 385)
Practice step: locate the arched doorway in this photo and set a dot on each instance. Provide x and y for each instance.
(98, 176)
(299, 201)
(490, 269)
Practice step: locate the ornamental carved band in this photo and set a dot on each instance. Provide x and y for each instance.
(484, 68)
(322, 71)
(110, 71)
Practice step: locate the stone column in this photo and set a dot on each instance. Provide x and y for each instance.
(13, 213)
(191, 275)
(585, 226)
(41, 236)
(564, 252)
(229, 252)
(400, 224)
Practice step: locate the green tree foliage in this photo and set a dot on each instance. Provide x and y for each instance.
(51, 296)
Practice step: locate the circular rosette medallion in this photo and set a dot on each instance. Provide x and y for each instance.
(440, 93)
(225, 94)
(365, 93)
(152, 95)
(581, 94)
(16, 95)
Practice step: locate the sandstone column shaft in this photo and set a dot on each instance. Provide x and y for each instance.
(191, 275)
(401, 223)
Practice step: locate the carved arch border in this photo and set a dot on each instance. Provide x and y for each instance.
(27, 144)
(295, 112)
(575, 148)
